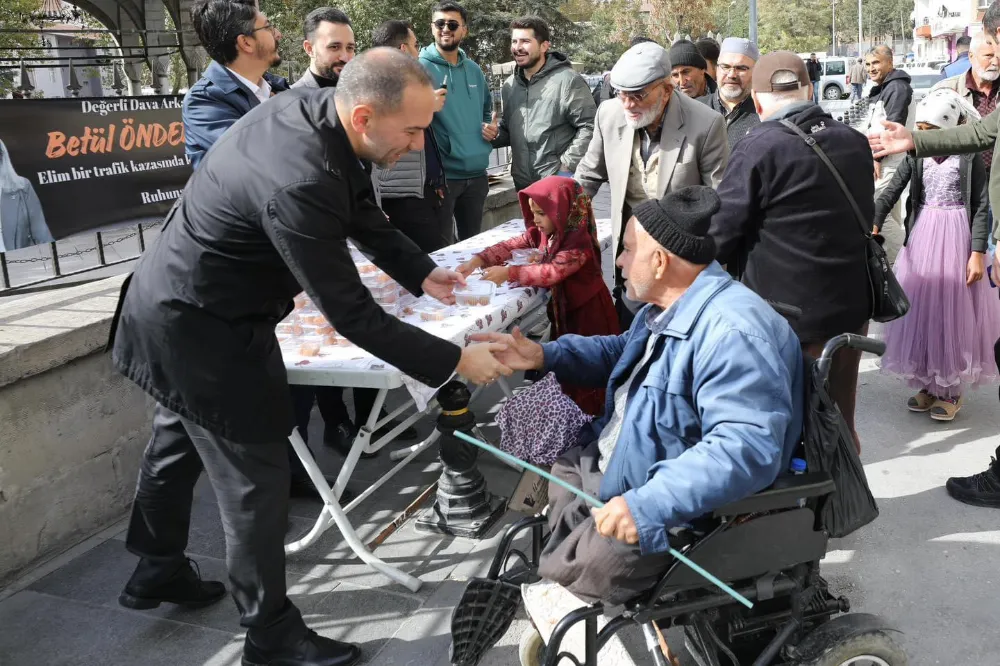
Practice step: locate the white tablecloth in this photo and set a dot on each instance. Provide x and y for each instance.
(507, 305)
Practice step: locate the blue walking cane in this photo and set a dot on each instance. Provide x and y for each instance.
(599, 504)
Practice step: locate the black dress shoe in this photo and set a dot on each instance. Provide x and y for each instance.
(341, 437)
(184, 588)
(302, 487)
(311, 650)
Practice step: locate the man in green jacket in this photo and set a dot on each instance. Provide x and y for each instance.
(981, 489)
(466, 125)
(548, 109)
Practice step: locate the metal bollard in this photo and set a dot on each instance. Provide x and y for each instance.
(464, 506)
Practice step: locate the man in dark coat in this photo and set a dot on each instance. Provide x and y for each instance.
(196, 331)
(329, 43)
(815, 69)
(785, 227)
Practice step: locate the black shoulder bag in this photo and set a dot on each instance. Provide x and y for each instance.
(889, 301)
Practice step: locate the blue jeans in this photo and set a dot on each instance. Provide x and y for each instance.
(816, 91)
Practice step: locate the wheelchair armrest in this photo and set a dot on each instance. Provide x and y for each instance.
(785, 493)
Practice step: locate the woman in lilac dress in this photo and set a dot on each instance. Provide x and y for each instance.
(944, 344)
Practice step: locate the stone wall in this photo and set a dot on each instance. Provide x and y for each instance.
(501, 204)
(72, 429)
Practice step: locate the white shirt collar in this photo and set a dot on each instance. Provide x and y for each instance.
(261, 91)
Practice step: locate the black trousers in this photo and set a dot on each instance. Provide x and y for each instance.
(251, 486)
(427, 222)
(465, 200)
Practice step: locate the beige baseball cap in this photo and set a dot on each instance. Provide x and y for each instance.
(779, 61)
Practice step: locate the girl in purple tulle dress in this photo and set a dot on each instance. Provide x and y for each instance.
(944, 344)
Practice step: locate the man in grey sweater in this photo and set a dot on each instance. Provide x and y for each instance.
(413, 191)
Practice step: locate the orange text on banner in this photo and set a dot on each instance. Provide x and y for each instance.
(101, 140)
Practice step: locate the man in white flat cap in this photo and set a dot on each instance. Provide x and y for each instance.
(649, 141)
(737, 57)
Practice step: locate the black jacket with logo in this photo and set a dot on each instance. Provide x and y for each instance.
(270, 208)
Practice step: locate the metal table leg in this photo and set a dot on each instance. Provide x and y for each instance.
(332, 513)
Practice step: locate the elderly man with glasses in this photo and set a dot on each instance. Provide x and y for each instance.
(647, 142)
(735, 70)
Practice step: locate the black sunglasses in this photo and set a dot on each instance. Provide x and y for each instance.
(452, 25)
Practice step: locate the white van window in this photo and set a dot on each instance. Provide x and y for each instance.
(835, 68)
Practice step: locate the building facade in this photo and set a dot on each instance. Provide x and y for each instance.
(939, 24)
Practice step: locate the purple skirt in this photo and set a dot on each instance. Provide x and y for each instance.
(944, 344)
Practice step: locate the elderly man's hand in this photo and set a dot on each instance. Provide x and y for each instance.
(615, 520)
(519, 353)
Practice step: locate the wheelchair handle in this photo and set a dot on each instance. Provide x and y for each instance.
(787, 311)
(852, 341)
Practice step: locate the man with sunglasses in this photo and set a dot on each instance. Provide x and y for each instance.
(466, 124)
(649, 141)
(243, 45)
(737, 58)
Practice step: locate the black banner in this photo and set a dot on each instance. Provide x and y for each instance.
(83, 164)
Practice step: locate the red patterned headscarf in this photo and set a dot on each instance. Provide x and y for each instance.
(569, 208)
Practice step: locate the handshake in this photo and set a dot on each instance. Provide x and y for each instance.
(499, 354)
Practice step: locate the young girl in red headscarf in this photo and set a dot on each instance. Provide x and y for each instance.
(559, 222)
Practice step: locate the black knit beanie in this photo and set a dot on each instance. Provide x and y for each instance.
(685, 54)
(680, 220)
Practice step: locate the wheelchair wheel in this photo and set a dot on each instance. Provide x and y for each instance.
(873, 648)
(531, 648)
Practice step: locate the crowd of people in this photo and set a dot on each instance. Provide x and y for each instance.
(731, 191)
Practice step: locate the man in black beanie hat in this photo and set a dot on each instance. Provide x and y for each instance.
(704, 405)
(689, 71)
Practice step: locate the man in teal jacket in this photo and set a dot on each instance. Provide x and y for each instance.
(704, 405)
(466, 125)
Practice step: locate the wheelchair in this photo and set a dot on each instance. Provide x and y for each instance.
(767, 546)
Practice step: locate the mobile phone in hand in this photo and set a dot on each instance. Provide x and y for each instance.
(444, 83)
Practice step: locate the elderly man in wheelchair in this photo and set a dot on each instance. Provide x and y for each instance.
(704, 411)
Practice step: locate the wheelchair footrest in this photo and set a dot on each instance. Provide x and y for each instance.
(481, 618)
(547, 603)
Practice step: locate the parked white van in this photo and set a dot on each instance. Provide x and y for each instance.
(834, 85)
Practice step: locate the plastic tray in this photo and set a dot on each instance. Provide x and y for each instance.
(475, 293)
(525, 257)
(431, 311)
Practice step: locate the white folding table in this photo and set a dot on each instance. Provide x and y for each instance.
(352, 367)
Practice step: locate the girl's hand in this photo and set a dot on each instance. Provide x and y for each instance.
(976, 268)
(471, 266)
(496, 274)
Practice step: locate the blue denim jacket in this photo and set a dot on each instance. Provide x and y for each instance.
(713, 417)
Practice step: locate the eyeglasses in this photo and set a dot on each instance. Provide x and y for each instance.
(635, 97)
(267, 26)
(452, 25)
(739, 69)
